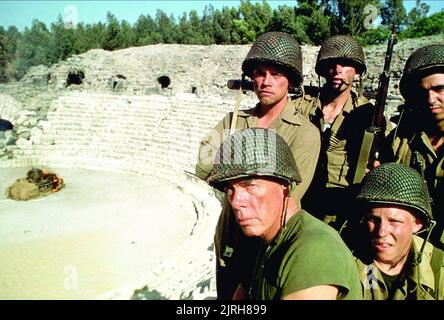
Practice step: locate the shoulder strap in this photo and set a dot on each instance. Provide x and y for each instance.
(236, 110)
(436, 263)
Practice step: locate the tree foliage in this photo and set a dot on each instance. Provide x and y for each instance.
(393, 12)
(426, 26)
(309, 21)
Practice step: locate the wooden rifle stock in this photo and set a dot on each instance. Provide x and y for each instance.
(234, 84)
(373, 136)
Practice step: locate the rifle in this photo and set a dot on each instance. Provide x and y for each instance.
(373, 136)
(247, 85)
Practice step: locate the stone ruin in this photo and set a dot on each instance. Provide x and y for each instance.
(138, 112)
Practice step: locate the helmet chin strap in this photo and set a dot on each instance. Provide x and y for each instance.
(432, 224)
(284, 212)
(285, 208)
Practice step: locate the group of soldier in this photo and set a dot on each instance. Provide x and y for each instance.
(286, 173)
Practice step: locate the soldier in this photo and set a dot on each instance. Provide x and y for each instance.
(300, 257)
(274, 63)
(418, 140)
(399, 265)
(342, 115)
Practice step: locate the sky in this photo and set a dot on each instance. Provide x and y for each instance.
(21, 13)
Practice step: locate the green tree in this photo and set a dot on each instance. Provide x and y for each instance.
(64, 39)
(315, 20)
(224, 25)
(426, 26)
(146, 31)
(393, 12)
(254, 20)
(208, 25)
(3, 55)
(125, 37)
(419, 11)
(374, 36)
(167, 27)
(13, 36)
(110, 41)
(37, 46)
(98, 33)
(83, 39)
(190, 28)
(286, 20)
(347, 16)
(12, 39)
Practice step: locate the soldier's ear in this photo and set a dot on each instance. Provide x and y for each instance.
(417, 225)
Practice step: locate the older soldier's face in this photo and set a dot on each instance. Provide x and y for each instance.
(391, 232)
(431, 92)
(270, 85)
(257, 204)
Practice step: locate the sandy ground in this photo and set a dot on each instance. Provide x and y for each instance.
(101, 231)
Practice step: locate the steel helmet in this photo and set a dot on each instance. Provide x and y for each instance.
(253, 152)
(340, 47)
(277, 48)
(398, 184)
(423, 61)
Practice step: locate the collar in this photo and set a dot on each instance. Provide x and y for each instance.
(420, 141)
(353, 101)
(423, 271)
(289, 114)
(294, 223)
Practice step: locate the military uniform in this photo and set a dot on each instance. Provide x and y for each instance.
(233, 249)
(410, 141)
(304, 252)
(341, 140)
(421, 277)
(303, 139)
(416, 151)
(424, 281)
(307, 253)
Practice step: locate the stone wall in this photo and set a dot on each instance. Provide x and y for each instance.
(154, 134)
(204, 68)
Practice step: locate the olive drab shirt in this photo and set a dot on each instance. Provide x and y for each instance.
(304, 141)
(300, 134)
(306, 253)
(420, 282)
(341, 140)
(340, 147)
(416, 151)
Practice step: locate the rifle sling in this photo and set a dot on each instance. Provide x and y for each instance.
(436, 264)
(236, 110)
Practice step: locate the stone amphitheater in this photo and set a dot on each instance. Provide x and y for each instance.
(123, 130)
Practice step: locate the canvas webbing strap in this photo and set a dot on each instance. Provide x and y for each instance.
(236, 110)
(364, 153)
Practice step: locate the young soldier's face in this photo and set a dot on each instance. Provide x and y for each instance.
(340, 75)
(431, 94)
(270, 84)
(391, 232)
(257, 205)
